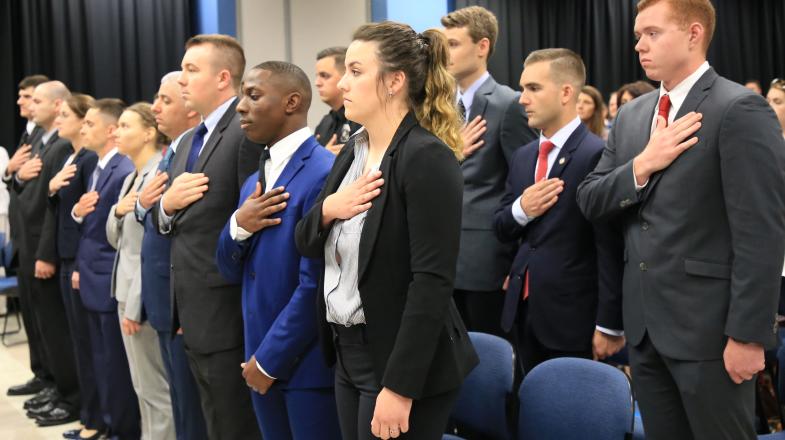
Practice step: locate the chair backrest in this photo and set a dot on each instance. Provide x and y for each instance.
(575, 399)
(482, 403)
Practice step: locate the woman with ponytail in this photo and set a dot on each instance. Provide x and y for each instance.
(387, 224)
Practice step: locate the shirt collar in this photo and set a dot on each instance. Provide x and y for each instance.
(467, 96)
(679, 93)
(30, 127)
(105, 160)
(175, 143)
(48, 135)
(212, 119)
(560, 137)
(285, 148)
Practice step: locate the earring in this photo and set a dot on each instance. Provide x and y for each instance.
(390, 93)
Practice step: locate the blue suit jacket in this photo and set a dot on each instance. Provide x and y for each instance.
(575, 267)
(95, 256)
(279, 285)
(156, 258)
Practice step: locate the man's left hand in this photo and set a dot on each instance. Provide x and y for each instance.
(604, 345)
(743, 360)
(254, 378)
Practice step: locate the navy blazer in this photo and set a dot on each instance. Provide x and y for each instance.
(575, 267)
(279, 285)
(95, 257)
(63, 201)
(156, 257)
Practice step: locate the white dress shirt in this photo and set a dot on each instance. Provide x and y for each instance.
(558, 140)
(677, 96)
(467, 96)
(280, 154)
(102, 163)
(210, 122)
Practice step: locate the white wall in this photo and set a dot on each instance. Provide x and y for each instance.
(295, 30)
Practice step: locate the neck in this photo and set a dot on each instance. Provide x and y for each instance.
(222, 98)
(143, 156)
(287, 130)
(336, 105)
(382, 130)
(467, 81)
(682, 74)
(76, 143)
(105, 150)
(47, 126)
(564, 118)
(176, 132)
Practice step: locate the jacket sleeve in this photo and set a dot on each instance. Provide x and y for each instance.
(47, 245)
(433, 189)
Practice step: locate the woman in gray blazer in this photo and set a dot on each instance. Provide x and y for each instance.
(139, 139)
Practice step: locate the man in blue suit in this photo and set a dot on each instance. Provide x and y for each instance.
(93, 274)
(174, 120)
(565, 281)
(293, 396)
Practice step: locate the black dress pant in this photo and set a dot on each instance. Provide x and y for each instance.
(530, 350)
(226, 399)
(55, 337)
(690, 399)
(481, 311)
(356, 389)
(35, 345)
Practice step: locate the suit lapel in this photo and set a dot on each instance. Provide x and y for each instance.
(691, 103)
(106, 173)
(565, 154)
(296, 162)
(374, 218)
(215, 137)
(480, 101)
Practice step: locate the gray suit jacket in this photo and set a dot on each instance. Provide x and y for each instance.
(704, 240)
(205, 304)
(484, 261)
(125, 234)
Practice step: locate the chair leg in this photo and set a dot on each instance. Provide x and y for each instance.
(5, 332)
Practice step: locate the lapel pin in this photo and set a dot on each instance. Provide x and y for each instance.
(561, 161)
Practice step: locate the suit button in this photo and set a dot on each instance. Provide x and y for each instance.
(171, 266)
(624, 203)
(643, 267)
(645, 226)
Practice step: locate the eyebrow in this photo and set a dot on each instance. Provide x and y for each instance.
(354, 63)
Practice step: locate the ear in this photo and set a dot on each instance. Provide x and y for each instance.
(568, 94)
(150, 134)
(697, 33)
(394, 83)
(192, 114)
(292, 102)
(484, 47)
(224, 80)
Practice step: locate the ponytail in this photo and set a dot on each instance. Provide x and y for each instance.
(437, 111)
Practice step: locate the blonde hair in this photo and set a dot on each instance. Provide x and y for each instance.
(480, 22)
(423, 59)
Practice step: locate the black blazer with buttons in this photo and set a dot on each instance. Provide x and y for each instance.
(63, 201)
(408, 251)
(705, 239)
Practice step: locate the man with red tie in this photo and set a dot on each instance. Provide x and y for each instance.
(564, 292)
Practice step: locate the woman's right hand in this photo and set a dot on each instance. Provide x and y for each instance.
(352, 199)
(61, 178)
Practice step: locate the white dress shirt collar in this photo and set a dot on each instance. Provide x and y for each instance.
(679, 93)
(104, 161)
(560, 137)
(467, 96)
(30, 127)
(48, 135)
(175, 143)
(213, 118)
(283, 150)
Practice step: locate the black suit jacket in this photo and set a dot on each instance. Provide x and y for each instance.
(573, 265)
(483, 261)
(204, 303)
(408, 249)
(38, 236)
(14, 214)
(704, 241)
(63, 201)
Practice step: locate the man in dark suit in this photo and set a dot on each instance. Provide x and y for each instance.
(293, 386)
(93, 275)
(38, 258)
(42, 376)
(695, 173)
(496, 127)
(566, 276)
(334, 129)
(174, 120)
(207, 173)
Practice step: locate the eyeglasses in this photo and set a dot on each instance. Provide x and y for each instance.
(778, 83)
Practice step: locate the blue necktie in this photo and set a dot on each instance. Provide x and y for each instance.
(196, 147)
(96, 176)
(166, 161)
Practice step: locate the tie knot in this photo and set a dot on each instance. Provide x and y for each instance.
(201, 129)
(265, 154)
(546, 147)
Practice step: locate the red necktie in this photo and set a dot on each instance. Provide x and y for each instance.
(664, 107)
(542, 170)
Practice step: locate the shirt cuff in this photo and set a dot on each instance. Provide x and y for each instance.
(237, 233)
(78, 220)
(7, 178)
(635, 180)
(165, 220)
(264, 372)
(518, 214)
(139, 212)
(610, 332)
